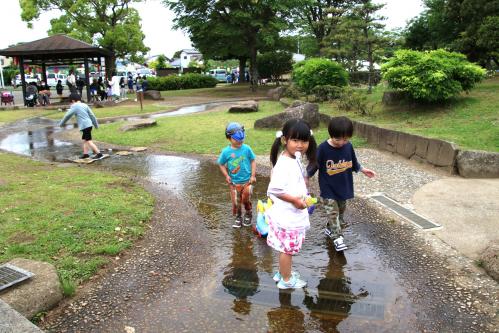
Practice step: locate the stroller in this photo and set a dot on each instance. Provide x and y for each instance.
(7, 98)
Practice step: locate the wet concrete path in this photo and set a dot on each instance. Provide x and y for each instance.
(193, 272)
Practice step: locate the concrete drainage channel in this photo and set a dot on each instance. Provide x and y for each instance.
(409, 215)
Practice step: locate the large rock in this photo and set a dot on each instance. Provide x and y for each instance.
(478, 164)
(135, 125)
(244, 107)
(276, 93)
(490, 260)
(307, 111)
(388, 139)
(441, 153)
(406, 144)
(40, 293)
(153, 94)
(393, 97)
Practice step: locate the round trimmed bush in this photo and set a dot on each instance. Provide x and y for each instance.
(431, 76)
(319, 72)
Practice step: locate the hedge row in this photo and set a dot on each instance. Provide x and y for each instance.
(186, 81)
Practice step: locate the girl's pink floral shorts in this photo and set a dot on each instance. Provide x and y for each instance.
(284, 240)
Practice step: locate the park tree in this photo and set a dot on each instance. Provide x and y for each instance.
(111, 24)
(466, 26)
(321, 18)
(233, 28)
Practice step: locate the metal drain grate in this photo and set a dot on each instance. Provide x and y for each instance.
(10, 275)
(416, 219)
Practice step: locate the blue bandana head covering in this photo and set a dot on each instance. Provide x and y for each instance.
(235, 131)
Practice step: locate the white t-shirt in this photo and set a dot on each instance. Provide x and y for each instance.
(287, 178)
(115, 85)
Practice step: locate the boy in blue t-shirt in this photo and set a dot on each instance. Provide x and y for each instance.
(335, 161)
(237, 163)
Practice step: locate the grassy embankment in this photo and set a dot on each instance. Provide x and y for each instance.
(75, 218)
(469, 120)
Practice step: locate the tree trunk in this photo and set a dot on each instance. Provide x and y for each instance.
(110, 65)
(253, 69)
(242, 69)
(369, 45)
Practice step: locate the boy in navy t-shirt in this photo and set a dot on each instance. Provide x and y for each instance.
(335, 161)
(237, 164)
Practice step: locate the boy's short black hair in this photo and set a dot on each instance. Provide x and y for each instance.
(340, 127)
(74, 97)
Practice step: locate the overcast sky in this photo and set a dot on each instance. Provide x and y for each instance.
(157, 24)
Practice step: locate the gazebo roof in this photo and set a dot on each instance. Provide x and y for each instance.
(57, 46)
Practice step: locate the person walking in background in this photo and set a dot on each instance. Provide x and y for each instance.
(59, 88)
(336, 161)
(80, 83)
(288, 217)
(130, 83)
(238, 165)
(115, 87)
(71, 82)
(145, 84)
(122, 88)
(86, 120)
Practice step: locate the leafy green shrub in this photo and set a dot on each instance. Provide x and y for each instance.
(318, 72)
(353, 99)
(326, 92)
(292, 91)
(274, 64)
(431, 76)
(186, 81)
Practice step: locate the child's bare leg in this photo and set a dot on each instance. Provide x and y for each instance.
(285, 261)
(85, 147)
(93, 147)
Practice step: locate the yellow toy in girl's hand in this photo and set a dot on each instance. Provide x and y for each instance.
(310, 202)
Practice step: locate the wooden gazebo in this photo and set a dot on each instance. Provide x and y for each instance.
(56, 50)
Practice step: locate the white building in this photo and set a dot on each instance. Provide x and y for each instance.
(188, 55)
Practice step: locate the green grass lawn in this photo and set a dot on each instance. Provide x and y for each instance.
(222, 90)
(76, 218)
(201, 133)
(469, 120)
(14, 115)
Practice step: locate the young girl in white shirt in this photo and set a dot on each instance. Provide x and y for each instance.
(288, 216)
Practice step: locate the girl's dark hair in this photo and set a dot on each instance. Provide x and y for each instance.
(340, 127)
(296, 129)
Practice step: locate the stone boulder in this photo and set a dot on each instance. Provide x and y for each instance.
(39, 293)
(154, 95)
(138, 124)
(393, 97)
(244, 107)
(490, 260)
(276, 93)
(478, 164)
(307, 111)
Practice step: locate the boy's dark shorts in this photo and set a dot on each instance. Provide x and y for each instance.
(87, 134)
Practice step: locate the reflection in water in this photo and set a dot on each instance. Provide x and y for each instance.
(241, 277)
(334, 297)
(287, 317)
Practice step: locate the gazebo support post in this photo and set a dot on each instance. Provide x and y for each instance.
(23, 79)
(44, 73)
(87, 80)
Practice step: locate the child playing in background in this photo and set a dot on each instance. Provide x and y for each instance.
(335, 161)
(237, 164)
(85, 119)
(288, 216)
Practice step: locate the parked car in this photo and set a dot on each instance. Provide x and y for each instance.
(28, 78)
(219, 74)
(145, 72)
(52, 79)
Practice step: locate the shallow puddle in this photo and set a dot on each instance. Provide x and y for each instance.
(351, 291)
